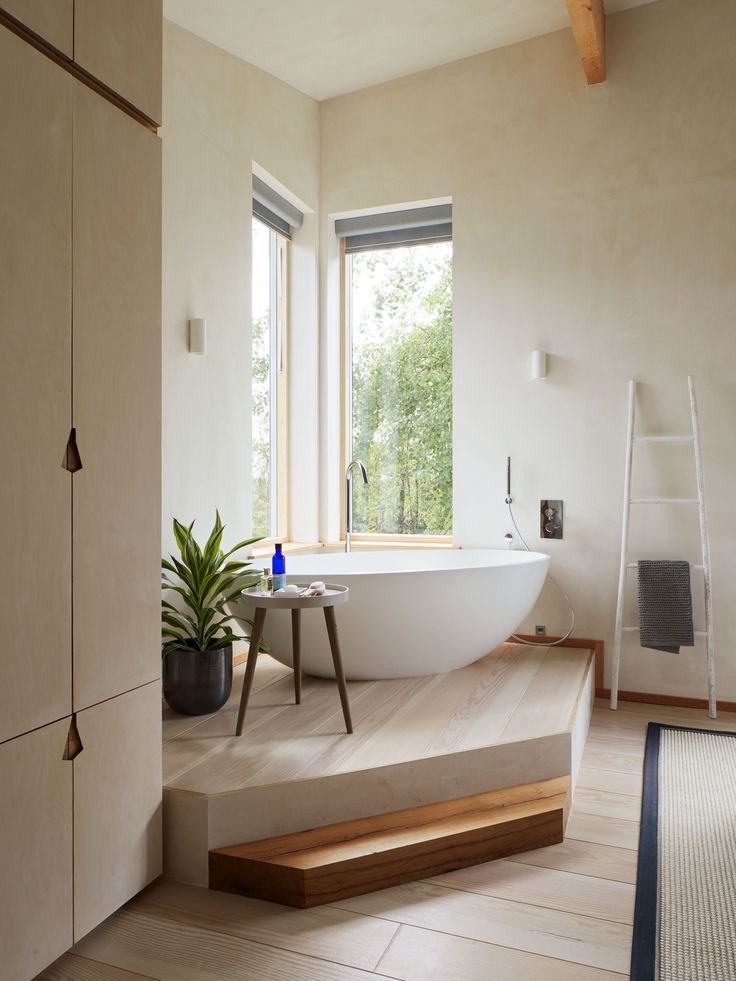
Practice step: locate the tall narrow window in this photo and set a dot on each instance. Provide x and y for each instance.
(263, 384)
(398, 285)
(274, 220)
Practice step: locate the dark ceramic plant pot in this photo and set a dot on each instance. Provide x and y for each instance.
(198, 682)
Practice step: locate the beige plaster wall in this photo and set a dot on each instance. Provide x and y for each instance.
(221, 116)
(597, 223)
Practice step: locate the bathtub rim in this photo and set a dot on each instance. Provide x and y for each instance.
(520, 558)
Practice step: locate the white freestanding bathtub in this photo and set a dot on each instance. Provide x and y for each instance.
(411, 611)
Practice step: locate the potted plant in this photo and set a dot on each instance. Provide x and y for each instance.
(197, 638)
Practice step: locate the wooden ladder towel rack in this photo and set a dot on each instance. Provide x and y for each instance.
(631, 441)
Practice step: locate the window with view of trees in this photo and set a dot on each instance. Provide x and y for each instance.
(399, 313)
(267, 377)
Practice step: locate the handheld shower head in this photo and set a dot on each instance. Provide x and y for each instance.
(509, 498)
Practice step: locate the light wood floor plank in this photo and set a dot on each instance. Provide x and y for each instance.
(628, 740)
(457, 711)
(269, 670)
(605, 755)
(603, 830)
(613, 723)
(607, 804)
(71, 967)
(552, 933)
(423, 955)
(546, 702)
(160, 948)
(551, 888)
(585, 858)
(698, 718)
(482, 714)
(214, 740)
(610, 782)
(325, 932)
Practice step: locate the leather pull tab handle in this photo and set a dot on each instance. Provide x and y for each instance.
(72, 460)
(73, 746)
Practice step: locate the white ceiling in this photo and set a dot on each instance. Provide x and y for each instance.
(329, 47)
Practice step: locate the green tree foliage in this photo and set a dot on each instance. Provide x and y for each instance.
(260, 428)
(402, 389)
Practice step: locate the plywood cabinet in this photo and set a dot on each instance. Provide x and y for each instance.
(117, 401)
(52, 20)
(35, 387)
(79, 837)
(35, 851)
(120, 43)
(80, 320)
(117, 804)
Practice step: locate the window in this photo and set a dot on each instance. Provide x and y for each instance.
(274, 221)
(265, 379)
(398, 312)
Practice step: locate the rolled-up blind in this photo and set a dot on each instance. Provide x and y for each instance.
(391, 229)
(274, 210)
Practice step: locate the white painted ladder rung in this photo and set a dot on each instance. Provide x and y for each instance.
(694, 440)
(663, 439)
(697, 633)
(663, 500)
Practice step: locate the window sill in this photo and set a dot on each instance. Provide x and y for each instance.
(294, 548)
(366, 544)
(266, 549)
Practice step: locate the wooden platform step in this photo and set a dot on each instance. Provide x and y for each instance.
(341, 860)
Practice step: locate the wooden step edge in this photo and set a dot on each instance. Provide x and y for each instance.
(446, 850)
(372, 871)
(408, 817)
(388, 841)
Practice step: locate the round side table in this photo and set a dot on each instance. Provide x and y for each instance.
(263, 602)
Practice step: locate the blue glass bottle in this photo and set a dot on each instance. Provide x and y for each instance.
(278, 567)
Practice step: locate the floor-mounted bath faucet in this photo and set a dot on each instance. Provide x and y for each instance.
(359, 465)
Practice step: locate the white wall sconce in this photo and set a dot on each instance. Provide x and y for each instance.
(539, 364)
(198, 336)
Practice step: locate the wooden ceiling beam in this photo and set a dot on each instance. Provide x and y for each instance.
(588, 19)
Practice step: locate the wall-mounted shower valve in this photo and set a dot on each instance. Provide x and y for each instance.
(550, 519)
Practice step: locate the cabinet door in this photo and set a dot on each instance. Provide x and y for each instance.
(35, 387)
(35, 851)
(117, 804)
(52, 20)
(120, 43)
(117, 401)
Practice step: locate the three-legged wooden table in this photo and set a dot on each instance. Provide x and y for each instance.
(263, 602)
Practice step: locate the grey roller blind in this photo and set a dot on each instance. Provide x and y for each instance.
(274, 210)
(394, 228)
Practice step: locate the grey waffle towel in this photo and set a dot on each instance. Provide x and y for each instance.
(665, 605)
